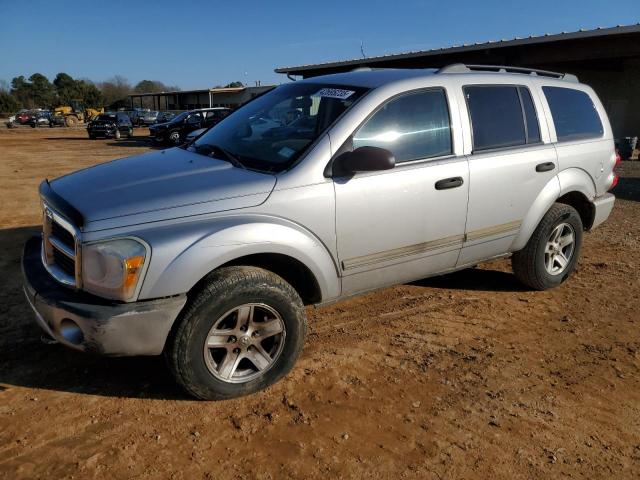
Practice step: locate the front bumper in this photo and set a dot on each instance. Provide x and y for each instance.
(102, 132)
(602, 207)
(157, 136)
(88, 323)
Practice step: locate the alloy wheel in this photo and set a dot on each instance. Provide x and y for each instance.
(559, 249)
(244, 343)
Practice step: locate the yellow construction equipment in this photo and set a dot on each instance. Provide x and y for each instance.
(76, 113)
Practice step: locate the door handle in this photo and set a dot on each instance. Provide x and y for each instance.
(545, 167)
(452, 182)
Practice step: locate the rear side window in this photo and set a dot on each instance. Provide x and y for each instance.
(496, 116)
(574, 113)
(413, 126)
(501, 116)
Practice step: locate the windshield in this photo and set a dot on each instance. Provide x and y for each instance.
(106, 118)
(272, 131)
(180, 117)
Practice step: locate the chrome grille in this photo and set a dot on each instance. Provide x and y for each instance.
(60, 248)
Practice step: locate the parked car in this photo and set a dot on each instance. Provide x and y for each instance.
(33, 118)
(164, 117)
(175, 131)
(57, 120)
(209, 252)
(144, 119)
(23, 116)
(39, 118)
(110, 125)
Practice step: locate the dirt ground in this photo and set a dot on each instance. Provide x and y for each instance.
(463, 376)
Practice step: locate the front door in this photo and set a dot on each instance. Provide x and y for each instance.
(405, 223)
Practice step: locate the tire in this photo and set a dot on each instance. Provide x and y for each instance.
(547, 262)
(70, 121)
(130, 133)
(227, 292)
(174, 138)
(117, 134)
(92, 137)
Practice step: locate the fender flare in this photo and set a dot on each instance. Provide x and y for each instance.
(577, 180)
(547, 196)
(569, 180)
(219, 243)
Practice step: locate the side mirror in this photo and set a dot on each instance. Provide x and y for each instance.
(364, 159)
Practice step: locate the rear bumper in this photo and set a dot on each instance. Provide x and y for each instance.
(92, 324)
(602, 207)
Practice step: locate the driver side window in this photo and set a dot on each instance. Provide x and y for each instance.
(413, 126)
(194, 119)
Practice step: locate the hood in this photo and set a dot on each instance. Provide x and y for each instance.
(160, 185)
(102, 122)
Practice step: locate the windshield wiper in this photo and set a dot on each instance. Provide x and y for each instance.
(212, 149)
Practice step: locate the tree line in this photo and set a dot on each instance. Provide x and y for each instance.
(38, 92)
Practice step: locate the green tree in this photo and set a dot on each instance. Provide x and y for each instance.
(150, 86)
(67, 88)
(90, 95)
(235, 84)
(21, 90)
(8, 103)
(43, 92)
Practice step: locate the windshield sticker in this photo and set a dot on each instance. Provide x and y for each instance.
(286, 152)
(334, 93)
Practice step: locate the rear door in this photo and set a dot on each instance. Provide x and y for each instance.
(402, 224)
(510, 163)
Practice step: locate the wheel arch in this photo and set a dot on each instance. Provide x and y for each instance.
(277, 245)
(573, 187)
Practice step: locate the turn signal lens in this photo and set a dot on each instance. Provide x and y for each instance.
(132, 267)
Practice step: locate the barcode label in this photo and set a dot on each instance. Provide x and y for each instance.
(334, 93)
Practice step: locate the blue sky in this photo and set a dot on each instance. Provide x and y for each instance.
(197, 44)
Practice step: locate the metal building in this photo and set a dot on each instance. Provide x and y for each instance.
(608, 59)
(191, 99)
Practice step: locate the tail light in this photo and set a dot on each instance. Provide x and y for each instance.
(617, 163)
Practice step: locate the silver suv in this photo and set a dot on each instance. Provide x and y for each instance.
(315, 191)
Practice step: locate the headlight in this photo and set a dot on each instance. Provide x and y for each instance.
(114, 268)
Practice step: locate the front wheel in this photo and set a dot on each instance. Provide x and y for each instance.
(242, 332)
(551, 254)
(174, 137)
(117, 134)
(130, 133)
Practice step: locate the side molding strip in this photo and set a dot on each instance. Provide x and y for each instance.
(402, 252)
(491, 231)
(418, 248)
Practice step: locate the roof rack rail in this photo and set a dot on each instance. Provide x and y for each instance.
(464, 68)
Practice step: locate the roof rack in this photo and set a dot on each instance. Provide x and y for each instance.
(463, 68)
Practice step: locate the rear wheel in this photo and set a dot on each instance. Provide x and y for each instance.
(551, 254)
(117, 134)
(242, 332)
(70, 120)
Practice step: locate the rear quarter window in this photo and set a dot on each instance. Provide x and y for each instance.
(574, 114)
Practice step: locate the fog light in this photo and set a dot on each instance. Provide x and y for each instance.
(71, 332)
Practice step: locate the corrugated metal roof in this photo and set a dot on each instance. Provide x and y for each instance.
(517, 41)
